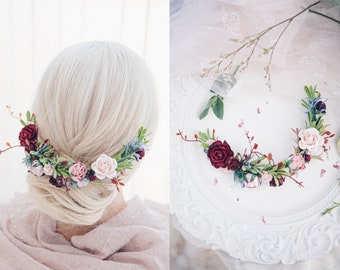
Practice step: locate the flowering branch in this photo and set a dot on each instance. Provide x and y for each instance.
(252, 41)
(9, 147)
(185, 137)
(297, 182)
(11, 113)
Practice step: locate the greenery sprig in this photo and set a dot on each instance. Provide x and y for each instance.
(216, 104)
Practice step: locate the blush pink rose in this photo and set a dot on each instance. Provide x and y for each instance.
(104, 167)
(266, 177)
(252, 181)
(310, 139)
(298, 162)
(77, 171)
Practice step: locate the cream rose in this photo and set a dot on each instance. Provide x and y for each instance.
(36, 168)
(310, 139)
(252, 181)
(48, 169)
(104, 167)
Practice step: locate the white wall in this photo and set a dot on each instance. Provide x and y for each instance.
(33, 32)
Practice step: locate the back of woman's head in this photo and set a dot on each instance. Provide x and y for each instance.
(92, 99)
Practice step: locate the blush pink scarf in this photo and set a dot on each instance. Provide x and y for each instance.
(136, 238)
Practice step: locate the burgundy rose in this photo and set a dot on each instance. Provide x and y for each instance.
(219, 154)
(273, 183)
(307, 158)
(234, 164)
(140, 153)
(59, 181)
(321, 106)
(280, 165)
(28, 137)
(91, 175)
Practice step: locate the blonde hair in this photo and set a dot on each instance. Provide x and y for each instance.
(92, 98)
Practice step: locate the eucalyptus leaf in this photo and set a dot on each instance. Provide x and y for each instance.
(216, 103)
(306, 90)
(204, 113)
(204, 137)
(22, 122)
(212, 101)
(28, 116)
(218, 108)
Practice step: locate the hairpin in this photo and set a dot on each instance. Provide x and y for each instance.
(42, 159)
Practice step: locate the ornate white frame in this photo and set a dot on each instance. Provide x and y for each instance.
(287, 239)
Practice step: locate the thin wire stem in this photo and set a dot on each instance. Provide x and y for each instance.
(323, 15)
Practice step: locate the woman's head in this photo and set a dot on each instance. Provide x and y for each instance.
(92, 99)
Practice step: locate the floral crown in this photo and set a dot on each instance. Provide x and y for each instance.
(43, 160)
(253, 168)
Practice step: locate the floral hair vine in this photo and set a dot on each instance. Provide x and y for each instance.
(253, 168)
(43, 160)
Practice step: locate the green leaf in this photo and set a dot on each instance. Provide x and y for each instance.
(304, 104)
(204, 113)
(28, 116)
(218, 108)
(310, 117)
(319, 123)
(212, 101)
(63, 173)
(306, 90)
(22, 122)
(204, 137)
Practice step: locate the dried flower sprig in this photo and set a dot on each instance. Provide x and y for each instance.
(253, 168)
(226, 60)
